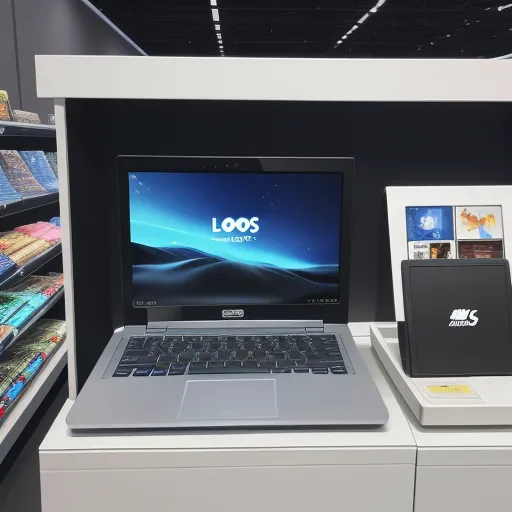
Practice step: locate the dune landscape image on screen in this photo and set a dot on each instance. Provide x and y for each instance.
(234, 238)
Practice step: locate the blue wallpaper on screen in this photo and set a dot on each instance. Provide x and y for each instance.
(246, 234)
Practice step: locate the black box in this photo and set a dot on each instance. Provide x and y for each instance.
(458, 318)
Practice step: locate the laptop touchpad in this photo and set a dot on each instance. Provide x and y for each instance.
(229, 399)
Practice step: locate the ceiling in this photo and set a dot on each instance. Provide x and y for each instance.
(316, 28)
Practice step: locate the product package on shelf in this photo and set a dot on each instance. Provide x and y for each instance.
(41, 169)
(21, 362)
(52, 159)
(19, 174)
(8, 193)
(21, 116)
(27, 248)
(5, 108)
(21, 303)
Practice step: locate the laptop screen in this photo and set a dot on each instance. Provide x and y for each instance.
(235, 238)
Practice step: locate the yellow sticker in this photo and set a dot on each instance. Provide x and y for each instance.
(462, 389)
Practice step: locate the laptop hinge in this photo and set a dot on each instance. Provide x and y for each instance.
(285, 326)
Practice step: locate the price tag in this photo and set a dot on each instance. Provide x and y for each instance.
(462, 389)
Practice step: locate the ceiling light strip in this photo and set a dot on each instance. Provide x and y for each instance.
(372, 11)
(216, 25)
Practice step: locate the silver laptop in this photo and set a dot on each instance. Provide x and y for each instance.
(242, 268)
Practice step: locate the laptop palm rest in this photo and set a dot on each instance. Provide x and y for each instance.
(229, 399)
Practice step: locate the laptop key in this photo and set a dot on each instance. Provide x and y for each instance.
(135, 352)
(281, 370)
(136, 341)
(129, 359)
(259, 355)
(338, 370)
(187, 356)
(319, 370)
(203, 356)
(287, 363)
(123, 372)
(276, 355)
(196, 366)
(301, 370)
(240, 355)
(223, 355)
(159, 372)
(283, 343)
(295, 354)
(142, 372)
(168, 358)
(147, 360)
(173, 371)
(173, 339)
(332, 360)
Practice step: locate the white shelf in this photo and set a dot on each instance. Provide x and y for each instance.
(182, 78)
(30, 400)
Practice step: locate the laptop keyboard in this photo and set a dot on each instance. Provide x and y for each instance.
(160, 356)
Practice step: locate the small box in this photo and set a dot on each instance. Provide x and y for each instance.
(458, 318)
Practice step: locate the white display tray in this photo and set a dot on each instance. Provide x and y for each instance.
(444, 401)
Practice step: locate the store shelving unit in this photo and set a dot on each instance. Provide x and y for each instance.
(31, 267)
(22, 136)
(30, 400)
(27, 203)
(11, 128)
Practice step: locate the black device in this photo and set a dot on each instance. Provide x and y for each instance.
(458, 318)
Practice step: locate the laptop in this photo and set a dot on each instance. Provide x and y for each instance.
(242, 266)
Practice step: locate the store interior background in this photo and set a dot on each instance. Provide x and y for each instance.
(411, 144)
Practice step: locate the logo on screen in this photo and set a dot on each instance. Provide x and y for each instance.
(463, 318)
(242, 224)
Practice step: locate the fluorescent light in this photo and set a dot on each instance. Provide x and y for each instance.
(503, 7)
(339, 42)
(213, 3)
(215, 14)
(217, 27)
(219, 36)
(373, 10)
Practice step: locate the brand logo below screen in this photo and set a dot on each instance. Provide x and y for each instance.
(463, 318)
(232, 313)
(242, 224)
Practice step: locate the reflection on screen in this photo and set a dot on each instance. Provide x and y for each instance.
(234, 238)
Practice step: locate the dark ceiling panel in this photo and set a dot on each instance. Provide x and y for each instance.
(311, 28)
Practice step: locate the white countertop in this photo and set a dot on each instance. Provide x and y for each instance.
(391, 444)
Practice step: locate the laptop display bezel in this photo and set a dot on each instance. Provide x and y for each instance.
(329, 313)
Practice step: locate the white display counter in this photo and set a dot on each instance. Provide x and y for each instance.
(458, 468)
(462, 468)
(444, 401)
(365, 470)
